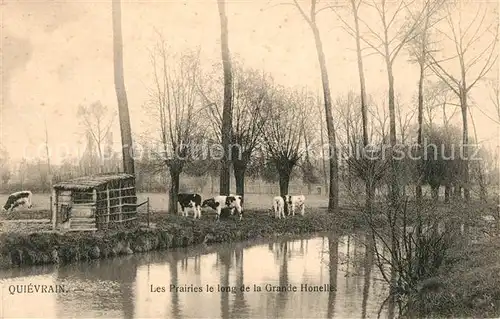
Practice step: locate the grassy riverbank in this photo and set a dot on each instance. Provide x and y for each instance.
(169, 232)
(468, 284)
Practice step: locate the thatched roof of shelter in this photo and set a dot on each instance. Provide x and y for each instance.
(90, 182)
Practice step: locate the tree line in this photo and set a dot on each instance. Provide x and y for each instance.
(269, 131)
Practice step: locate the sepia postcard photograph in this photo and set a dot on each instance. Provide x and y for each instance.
(246, 159)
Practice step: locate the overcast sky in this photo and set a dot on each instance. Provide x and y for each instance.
(58, 54)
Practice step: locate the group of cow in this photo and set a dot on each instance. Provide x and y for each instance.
(281, 205)
(192, 201)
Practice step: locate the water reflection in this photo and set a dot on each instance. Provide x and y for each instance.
(333, 254)
(161, 284)
(367, 269)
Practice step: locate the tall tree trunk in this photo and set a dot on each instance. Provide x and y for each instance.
(121, 94)
(239, 176)
(284, 180)
(392, 132)
(175, 174)
(350, 146)
(333, 194)
(418, 187)
(227, 112)
(325, 177)
(369, 183)
(465, 144)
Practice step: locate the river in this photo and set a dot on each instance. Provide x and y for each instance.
(132, 286)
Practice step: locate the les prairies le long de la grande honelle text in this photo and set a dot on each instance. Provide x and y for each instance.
(243, 288)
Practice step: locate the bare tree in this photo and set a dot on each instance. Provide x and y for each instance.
(173, 106)
(349, 126)
(308, 165)
(227, 113)
(121, 94)
(333, 198)
(355, 33)
(283, 135)
(474, 65)
(388, 45)
(322, 140)
(420, 47)
(495, 99)
(251, 97)
(97, 120)
(437, 99)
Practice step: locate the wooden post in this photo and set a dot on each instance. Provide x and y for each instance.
(94, 199)
(147, 209)
(108, 200)
(55, 210)
(52, 210)
(120, 202)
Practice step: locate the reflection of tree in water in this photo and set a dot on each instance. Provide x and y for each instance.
(283, 279)
(196, 264)
(224, 262)
(240, 306)
(174, 280)
(348, 264)
(297, 252)
(354, 263)
(333, 254)
(118, 275)
(281, 254)
(368, 264)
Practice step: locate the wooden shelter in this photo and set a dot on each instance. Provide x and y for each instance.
(94, 202)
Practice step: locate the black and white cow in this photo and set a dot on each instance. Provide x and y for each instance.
(188, 200)
(217, 203)
(279, 207)
(292, 202)
(18, 199)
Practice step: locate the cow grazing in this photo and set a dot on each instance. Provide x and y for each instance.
(294, 201)
(217, 203)
(279, 207)
(18, 199)
(188, 200)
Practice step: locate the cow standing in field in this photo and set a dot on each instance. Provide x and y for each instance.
(188, 200)
(17, 199)
(279, 207)
(217, 203)
(294, 201)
